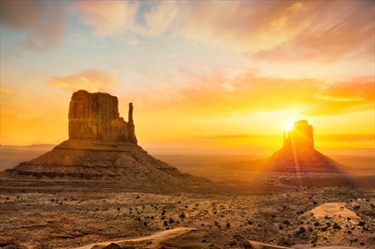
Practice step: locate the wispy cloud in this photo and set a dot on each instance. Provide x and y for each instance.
(221, 97)
(42, 23)
(6, 90)
(170, 55)
(351, 138)
(108, 18)
(240, 136)
(90, 80)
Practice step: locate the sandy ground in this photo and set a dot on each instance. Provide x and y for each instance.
(163, 235)
(334, 209)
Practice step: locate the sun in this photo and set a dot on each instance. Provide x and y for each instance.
(289, 126)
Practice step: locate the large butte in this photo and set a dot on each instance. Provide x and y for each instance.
(102, 148)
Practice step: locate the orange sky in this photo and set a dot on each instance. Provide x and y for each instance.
(199, 73)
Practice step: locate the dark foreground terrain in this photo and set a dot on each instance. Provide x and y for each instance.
(69, 220)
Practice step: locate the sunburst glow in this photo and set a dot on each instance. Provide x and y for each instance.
(289, 126)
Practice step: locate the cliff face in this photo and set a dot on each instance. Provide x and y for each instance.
(96, 116)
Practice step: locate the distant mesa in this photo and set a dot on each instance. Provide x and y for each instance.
(298, 154)
(102, 147)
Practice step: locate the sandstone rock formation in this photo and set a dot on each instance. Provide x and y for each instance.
(298, 154)
(96, 116)
(102, 147)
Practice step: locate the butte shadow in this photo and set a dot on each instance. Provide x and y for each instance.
(101, 154)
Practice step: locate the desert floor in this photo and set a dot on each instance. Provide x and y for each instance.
(68, 220)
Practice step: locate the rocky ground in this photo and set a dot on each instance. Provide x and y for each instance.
(69, 220)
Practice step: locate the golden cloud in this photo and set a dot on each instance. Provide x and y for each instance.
(6, 90)
(351, 138)
(275, 31)
(348, 91)
(108, 18)
(90, 80)
(220, 97)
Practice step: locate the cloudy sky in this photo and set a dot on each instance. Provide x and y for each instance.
(199, 73)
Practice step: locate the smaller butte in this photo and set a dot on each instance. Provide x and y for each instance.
(298, 154)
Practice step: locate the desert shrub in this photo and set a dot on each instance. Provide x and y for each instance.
(182, 215)
(316, 224)
(137, 197)
(145, 223)
(324, 229)
(165, 223)
(228, 225)
(286, 222)
(249, 222)
(216, 223)
(301, 230)
(361, 223)
(171, 220)
(118, 209)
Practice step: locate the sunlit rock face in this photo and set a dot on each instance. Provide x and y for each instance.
(96, 116)
(298, 154)
(103, 147)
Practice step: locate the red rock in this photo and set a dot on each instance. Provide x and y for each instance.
(96, 116)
